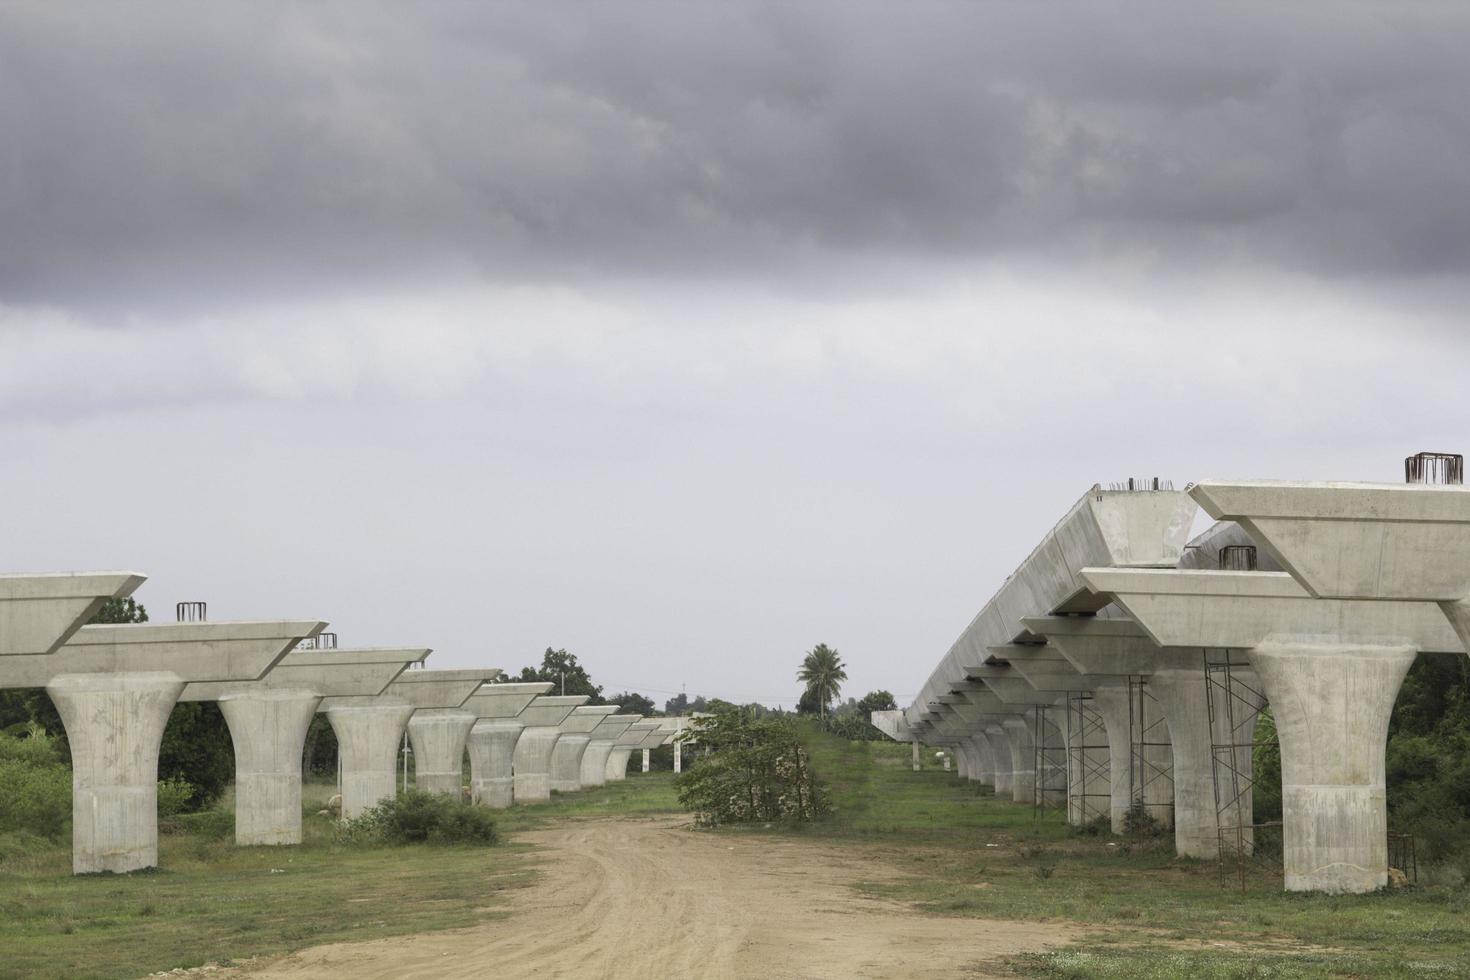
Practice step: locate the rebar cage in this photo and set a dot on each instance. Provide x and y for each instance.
(191, 612)
(1435, 468)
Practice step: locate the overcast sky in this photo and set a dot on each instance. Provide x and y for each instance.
(687, 335)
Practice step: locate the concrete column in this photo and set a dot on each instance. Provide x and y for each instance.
(1054, 778)
(1111, 701)
(268, 730)
(532, 761)
(1180, 693)
(566, 762)
(678, 756)
(594, 762)
(492, 746)
(980, 765)
(1022, 751)
(438, 736)
(645, 760)
(1000, 754)
(961, 754)
(914, 753)
(368, 739)
(114, 725)
(617, 763)
(1332, 702)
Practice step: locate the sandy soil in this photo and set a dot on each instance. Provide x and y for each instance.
(651, 899)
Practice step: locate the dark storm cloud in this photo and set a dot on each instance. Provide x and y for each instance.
(155, 152)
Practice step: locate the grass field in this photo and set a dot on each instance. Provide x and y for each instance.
(969, 855)
(210, 901)
(1156, 916)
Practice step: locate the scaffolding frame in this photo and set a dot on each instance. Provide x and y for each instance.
(1234, 706)
(1147, 729)
(1049, 761)
(1087, 759)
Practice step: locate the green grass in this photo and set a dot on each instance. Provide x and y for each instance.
(210, 900)
(642, 795)
(974, 855)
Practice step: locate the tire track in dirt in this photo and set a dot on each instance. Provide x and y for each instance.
(624, 898)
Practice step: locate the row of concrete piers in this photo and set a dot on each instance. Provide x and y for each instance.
(1122, 668)
(115, 686)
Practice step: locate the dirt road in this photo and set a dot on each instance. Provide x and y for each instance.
(650, 899)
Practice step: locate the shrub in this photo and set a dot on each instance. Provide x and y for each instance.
(37, 796)
(174, 796)
(755, 771)
(1139, 822)
(417, 817)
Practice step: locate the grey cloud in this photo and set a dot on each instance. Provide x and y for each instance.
(156, 155)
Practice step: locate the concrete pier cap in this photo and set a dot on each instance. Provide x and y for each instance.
(440, 727)
(1142, 528)
(626, 743)
(1331, 669)
(492, 739)
(40, 612)
(1359, 540)
(115, 687)
(1114, 652)
(268, 720)
(370, 730)
(531, 761)
(576, 734)
(603, 740)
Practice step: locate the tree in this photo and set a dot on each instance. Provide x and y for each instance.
(677, 705)
(632, 703)
(755, 771)
(875, 701)
(823, 673)
(561, 668)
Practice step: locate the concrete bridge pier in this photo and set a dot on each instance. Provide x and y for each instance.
(1022, 749)
(268, 731)
(566, 762)
(533, 763)
(115, 687)
(604, 739)
(1332, 701)
(1111, 700)
(114, 726)
(1180, 693)
(594, 762)
(1000, 752)
(617, 764)
(492, 745)
(565, 772)
(369, 734)
(983, 766)
(438, 738)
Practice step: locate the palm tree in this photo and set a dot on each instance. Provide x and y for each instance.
(822, 673)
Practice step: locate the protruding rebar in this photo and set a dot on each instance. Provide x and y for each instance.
(1446, 469)
(191, 612)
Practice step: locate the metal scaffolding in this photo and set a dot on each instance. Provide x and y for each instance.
(1150, 782)
(1234, 704)
(1050, 765)
(1088, 764)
